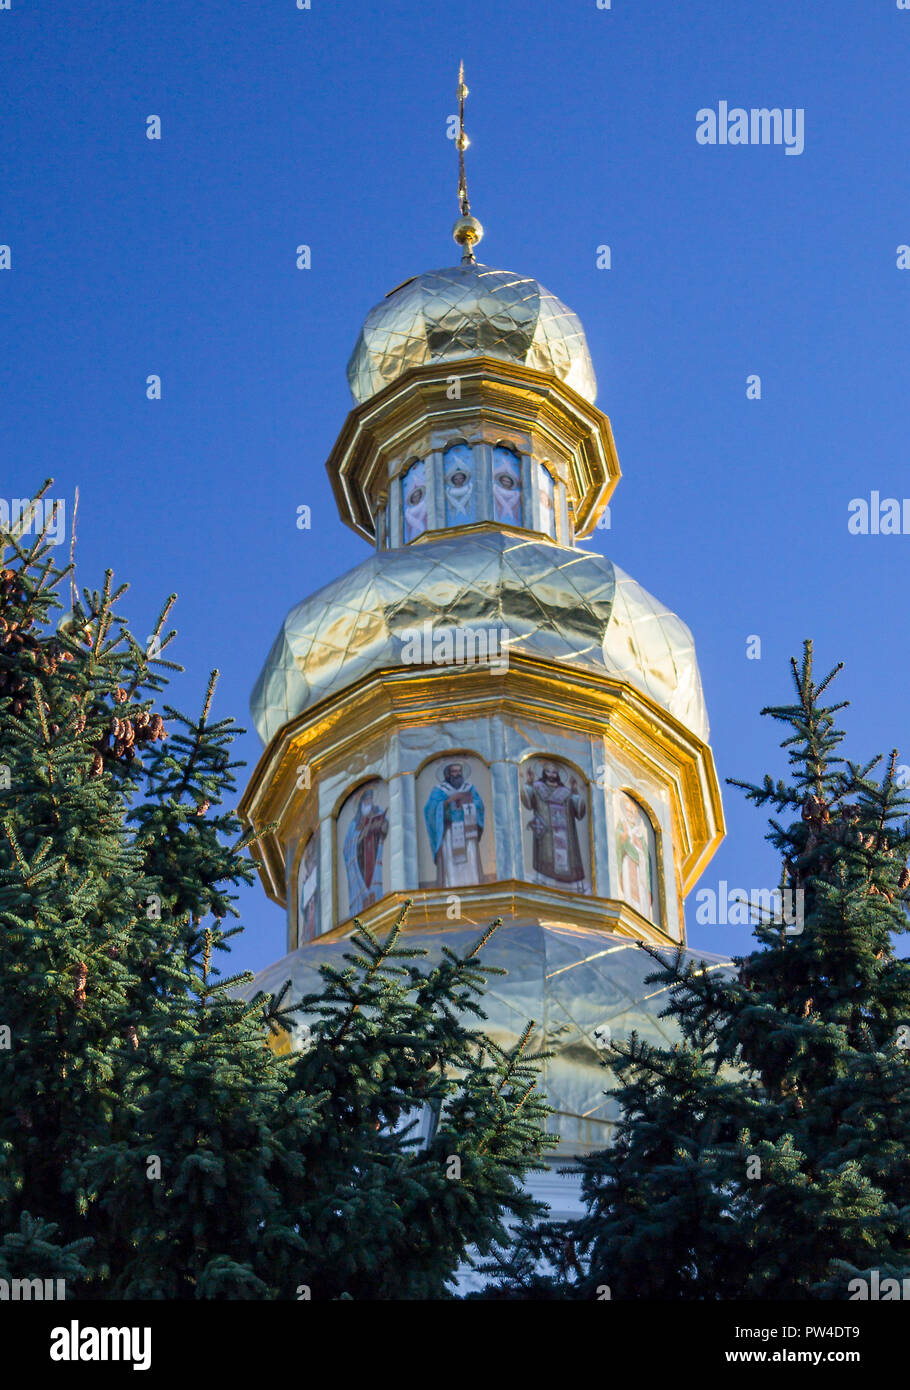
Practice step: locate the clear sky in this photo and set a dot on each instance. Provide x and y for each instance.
(328, 127)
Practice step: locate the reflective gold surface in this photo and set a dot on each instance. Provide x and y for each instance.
(468, 311)
(570, 981)
(334, 740)
(567, 606)
(487, 401)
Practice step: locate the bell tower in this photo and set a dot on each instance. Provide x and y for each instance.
(484, 715)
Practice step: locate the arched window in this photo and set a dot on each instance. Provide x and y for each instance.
(506, 486)
(363, 824)
(454, 808)
(308, 892)
(555, 834)
(414, 500)
(458, 473)
(636, 857)
(546, 496)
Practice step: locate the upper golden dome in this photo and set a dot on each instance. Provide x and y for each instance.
(470, 310)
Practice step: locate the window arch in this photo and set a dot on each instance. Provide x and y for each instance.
(637, 857)
(308, 892)
(546, 499)
(361, 830)
(414, 500)
(455, 820)
(555, 830)
(507, 496)
(458, 478)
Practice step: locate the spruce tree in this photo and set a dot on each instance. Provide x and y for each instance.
(151, 1143)
(427, 1129)
(764, 1154)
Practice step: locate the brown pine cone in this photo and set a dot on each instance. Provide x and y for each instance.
(97, 765)
(79, 990)
(814, 809)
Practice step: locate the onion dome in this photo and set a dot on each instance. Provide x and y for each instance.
(464, 311)
(568, 607)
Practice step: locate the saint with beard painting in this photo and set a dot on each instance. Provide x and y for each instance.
(454, 820)
(556, 858)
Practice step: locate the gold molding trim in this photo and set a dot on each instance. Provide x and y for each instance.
(496, 394)
(585, 701)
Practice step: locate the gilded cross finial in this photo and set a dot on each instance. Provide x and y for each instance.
(462, 143)
(467, 230)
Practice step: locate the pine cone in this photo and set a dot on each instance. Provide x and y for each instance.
(97, 765)
(815, 810)
(79, 991)
(132, 1036)
(903, 882)
(120, 695)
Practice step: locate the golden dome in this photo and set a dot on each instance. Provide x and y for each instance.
(470, 310)
(566, 606)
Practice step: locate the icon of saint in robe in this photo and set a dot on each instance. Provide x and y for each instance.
(454, 819)
(414, 500)
(362, 852)
(309, 892)
(634, 856)
(556, 857)
(507, 486)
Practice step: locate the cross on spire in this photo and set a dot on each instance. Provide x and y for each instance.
(462, 142)
(467, 230)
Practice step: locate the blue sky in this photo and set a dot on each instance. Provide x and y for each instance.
(328, 127)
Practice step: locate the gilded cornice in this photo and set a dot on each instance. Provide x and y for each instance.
(404, 697)
(494, 395)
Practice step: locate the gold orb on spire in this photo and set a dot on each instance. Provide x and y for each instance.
(469, 310)
(467, 232)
